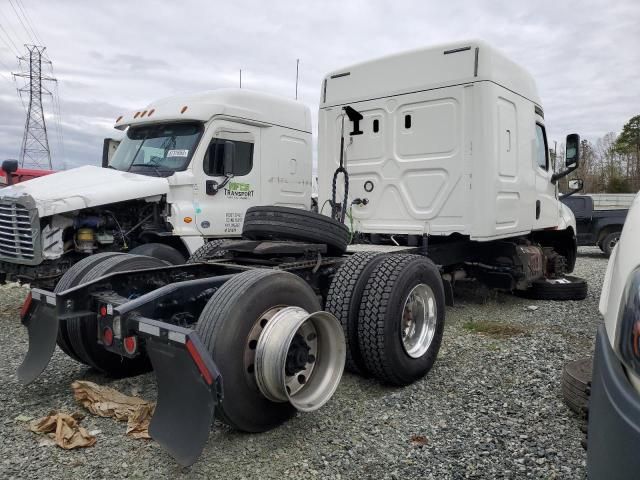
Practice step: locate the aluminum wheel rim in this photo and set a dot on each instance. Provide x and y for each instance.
(315, 373)
(418, 322)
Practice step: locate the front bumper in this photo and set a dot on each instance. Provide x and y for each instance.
(613, 445)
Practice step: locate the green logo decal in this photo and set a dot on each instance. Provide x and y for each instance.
(239, 187)
(238, 190)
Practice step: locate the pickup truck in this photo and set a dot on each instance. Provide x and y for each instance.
(596, 227)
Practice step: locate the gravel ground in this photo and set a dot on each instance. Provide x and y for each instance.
(490, 408)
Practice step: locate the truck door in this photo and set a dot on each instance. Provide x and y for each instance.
(221, 200)
(546, 204)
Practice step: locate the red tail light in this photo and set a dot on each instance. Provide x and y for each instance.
(199, 362)
(130, 345)
(25, 306)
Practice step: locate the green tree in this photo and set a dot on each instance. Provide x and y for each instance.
(628, 144)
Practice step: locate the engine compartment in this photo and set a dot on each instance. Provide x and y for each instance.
(119, 226)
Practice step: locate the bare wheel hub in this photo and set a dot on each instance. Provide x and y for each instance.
(299, 358)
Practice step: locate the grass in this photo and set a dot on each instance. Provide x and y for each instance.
(493, 329)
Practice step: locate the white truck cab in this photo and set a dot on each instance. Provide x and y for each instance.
(187, 169)
(452, 140)
(445, 144)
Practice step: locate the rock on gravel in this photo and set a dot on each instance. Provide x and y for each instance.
(490, 408)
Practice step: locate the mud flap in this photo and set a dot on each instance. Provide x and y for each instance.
(42, 326)
(186, 400)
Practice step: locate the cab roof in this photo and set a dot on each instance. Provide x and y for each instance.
(424, 69)
(250, 106)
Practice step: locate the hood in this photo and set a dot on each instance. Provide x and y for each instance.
(84, 187)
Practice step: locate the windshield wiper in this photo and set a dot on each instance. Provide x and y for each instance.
(155, 167)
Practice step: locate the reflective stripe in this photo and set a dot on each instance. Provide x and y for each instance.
(35, 295)
(150, 329)
(51, 300)
(177, 337)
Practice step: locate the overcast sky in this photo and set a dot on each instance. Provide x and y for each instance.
(111, 57)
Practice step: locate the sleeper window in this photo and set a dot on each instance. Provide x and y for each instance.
(214, 159)
(542, 153)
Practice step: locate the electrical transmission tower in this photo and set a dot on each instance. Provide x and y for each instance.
(35, 152)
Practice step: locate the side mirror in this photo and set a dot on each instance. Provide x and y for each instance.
(109, 147)
(572, 157)
(10, 167)
(229, 158)
(576, 185)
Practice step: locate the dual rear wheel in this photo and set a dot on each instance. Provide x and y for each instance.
(391, 308)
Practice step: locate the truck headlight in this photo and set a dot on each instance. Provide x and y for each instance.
(629, 323)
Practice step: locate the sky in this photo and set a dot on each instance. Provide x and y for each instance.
(117, 56)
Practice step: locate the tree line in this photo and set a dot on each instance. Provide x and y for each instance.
(611, 164)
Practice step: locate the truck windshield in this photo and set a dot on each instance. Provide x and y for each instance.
(157, 149)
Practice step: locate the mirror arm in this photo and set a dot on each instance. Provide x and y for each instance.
(557, 176)
(568, 194)
(218, 186)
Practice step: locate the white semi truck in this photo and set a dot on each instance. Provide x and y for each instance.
(437, 160)
(168, 185)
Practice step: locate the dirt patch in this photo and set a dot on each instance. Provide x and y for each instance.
(494, 329)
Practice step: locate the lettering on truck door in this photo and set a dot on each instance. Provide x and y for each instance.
(221, 213)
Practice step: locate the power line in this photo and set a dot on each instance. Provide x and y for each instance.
(58, 119)
(33, 40)
(29, 22)
(16, 50)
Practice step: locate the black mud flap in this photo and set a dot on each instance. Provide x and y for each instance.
(41, 321)
(189, 387)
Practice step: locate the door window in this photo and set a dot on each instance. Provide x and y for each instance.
(214, 158)
(542, 152)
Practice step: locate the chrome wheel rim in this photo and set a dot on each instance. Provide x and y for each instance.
(418, 323)
(299, 357)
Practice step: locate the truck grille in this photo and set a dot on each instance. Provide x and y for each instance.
(16, 233)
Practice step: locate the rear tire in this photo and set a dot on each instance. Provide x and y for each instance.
(160, 251)
(384, 314)
(609, 242)
(344, 300)
(71, 278)
(83, 331)
(285, 223)
(566, 288)
(224, 327)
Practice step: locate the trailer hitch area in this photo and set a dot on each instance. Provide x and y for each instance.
(189, 388)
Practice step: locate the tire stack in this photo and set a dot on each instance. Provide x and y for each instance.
(284, 223)
(576, 385)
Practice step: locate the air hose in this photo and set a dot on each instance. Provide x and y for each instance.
(339, 212)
